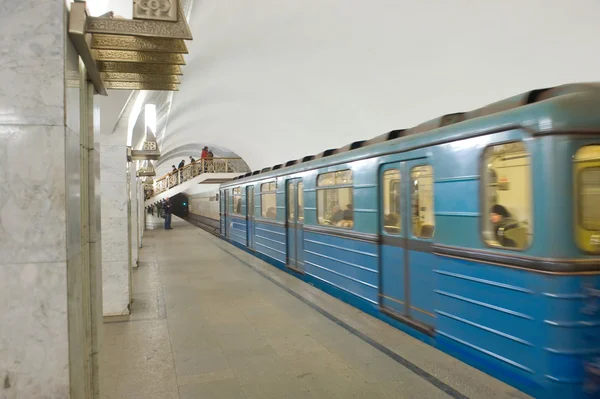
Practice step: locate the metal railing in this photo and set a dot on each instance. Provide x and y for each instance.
(201, 166)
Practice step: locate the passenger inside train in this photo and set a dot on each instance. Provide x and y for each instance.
(423, 218)
(500, 219)
(271, 213)
(334, 189)
(508, 196)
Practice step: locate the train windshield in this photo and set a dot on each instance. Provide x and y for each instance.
(587, 194)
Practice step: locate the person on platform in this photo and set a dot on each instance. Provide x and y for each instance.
(168, 209)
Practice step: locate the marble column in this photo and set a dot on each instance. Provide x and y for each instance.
(143, 211)
(116, 261)
(48, 325)
(133, 219)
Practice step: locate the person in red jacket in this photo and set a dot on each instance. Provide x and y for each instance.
(204, 157)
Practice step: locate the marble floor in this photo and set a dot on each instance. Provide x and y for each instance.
(211, 321)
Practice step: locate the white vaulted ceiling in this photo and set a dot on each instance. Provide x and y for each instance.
(275, 80)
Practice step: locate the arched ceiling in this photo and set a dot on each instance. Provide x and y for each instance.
(276, 80)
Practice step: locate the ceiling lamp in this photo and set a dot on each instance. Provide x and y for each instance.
(149, 149)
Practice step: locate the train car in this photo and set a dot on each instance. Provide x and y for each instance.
(476, 232)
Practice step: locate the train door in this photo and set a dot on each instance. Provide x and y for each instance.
(226, 213)
(295, 224)
(407, 226)
(250, 215)
(393, 270)
(420, 219)
(222, 211)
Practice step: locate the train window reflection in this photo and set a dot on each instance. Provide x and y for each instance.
(335, 206)
(589, 194)
(268, 200)
(421, 194)
(587, 178)
(291, 196)
(301, 202)
(392, 221)
(237, 200)
(506, 179)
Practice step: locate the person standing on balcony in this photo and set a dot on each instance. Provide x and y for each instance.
(209, 159)
(168, 209)
(174, 169)
(180, 166)
(204, 157)
(192, 160)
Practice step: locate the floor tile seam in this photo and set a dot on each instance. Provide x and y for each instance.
(169, 332)
(288, 372)
(382, 348)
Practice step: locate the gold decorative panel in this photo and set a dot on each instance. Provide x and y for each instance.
(126, 67)
(142, 57)
(120, 42)
(164, 10)
(141, 86)
(138, 77)
(144, 53)
(138, 27)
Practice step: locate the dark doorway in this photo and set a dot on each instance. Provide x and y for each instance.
(181, 205)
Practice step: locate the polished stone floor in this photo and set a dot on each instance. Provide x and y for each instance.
(211, 321)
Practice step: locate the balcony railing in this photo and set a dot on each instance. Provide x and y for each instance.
(201, 166)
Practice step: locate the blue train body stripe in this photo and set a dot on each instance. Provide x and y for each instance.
(341, 261)
(342, 248)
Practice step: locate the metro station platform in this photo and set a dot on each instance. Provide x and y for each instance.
(211, 321)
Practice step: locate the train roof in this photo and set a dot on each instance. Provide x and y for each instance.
(571, 108)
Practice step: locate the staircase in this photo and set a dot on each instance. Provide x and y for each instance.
(214, 171)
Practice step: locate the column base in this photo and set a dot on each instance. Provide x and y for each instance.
(116, 318)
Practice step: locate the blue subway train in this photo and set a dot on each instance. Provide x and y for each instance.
(476, 232)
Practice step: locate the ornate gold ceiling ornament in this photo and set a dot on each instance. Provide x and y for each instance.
(164, 10)
(149, 151)
(134, 43)
(156, 27)
(128, 67)
(140, 57)
(138, 77)
(147, 170)
(144, 53)
(142, 86)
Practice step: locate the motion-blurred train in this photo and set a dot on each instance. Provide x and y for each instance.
(476, 232)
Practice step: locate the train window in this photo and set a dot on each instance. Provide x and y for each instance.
(421, 201)
(340, 177)
(587, 178)
(291, 197)
(589, 196)
(392, 221)
(268, 200)
(301, 202)
(506, 181)
(334, 199)
(237, 200)
(250, 201)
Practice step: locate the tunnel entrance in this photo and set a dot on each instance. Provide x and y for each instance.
(181, 205)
